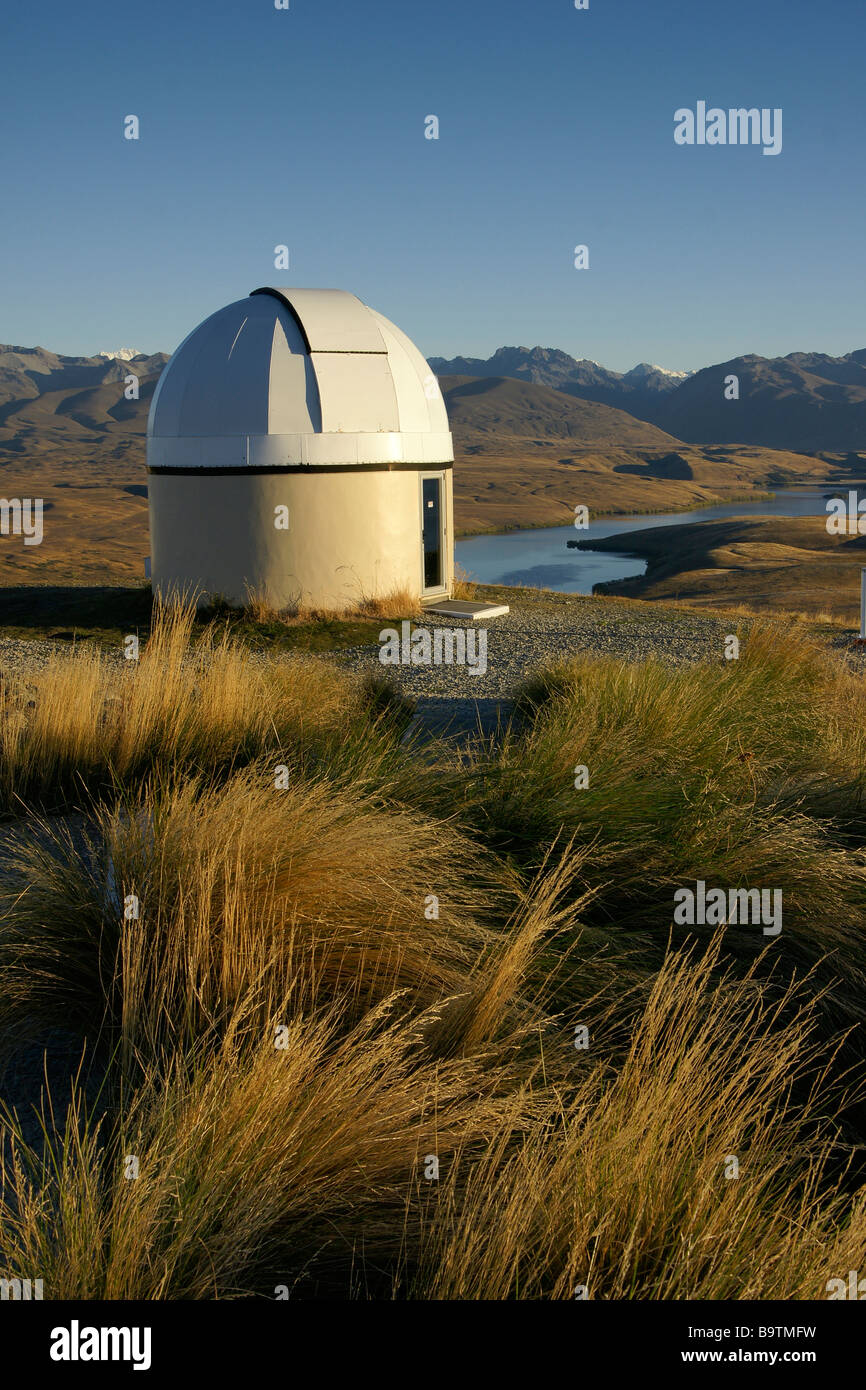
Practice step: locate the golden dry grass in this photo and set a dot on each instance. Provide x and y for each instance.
(464, 587)
(304, 1165)
(249, 891)
(300, 978)
(260, 1160)
(397, 602)
(87, 720)
(627, 1187)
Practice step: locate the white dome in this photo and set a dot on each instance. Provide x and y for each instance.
(291, 377)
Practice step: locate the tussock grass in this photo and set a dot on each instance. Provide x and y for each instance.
(87, 723)
(464, 587)
(625, 1187)
(244, 891)
(397, 602)
(289, 1164)
(329, 983)
(783, 712)
(774, 614)
(304, 1167)
(742, 773)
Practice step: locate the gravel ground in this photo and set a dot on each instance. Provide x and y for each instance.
(454, 700)
(528, 637)
(457, 700)
(20, 655)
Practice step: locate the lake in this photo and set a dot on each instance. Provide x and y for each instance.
(539, 558)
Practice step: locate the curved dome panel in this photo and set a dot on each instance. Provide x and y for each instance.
(357, 392)
(242, 366)
(294, 403)
(418, 396)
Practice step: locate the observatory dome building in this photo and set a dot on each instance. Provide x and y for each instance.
(298, 449)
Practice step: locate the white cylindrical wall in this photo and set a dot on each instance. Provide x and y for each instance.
(353, 534)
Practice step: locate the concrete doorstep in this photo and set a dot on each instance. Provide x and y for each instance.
(466, 608)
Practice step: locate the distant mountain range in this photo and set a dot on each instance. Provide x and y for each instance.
(53, 402)
(552, 367)
(26, 373)
(805, 401)
(72, 408)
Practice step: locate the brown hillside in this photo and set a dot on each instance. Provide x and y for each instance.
(486, 410)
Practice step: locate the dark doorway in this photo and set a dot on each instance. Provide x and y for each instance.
(431, 531)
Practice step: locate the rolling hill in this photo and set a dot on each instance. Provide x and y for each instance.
(804, 401)
(494, 411)
(27, 373)
(768, 563)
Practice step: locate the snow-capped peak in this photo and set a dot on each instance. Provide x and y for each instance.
(125, 354)
(645, 368)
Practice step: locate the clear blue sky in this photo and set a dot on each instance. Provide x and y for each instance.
(306, 127)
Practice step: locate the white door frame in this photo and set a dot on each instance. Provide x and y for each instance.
(443, 531)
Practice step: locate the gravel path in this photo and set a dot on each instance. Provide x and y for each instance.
(454, 699)
(19, 655)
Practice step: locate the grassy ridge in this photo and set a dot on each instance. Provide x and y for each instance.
(770, 564)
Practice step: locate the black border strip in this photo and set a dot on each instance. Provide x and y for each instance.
(345, 468)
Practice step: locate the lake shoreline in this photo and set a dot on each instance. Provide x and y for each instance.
(566, 561)
(779, 562)
(758, 495)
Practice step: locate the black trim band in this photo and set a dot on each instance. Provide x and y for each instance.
(345, 468)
